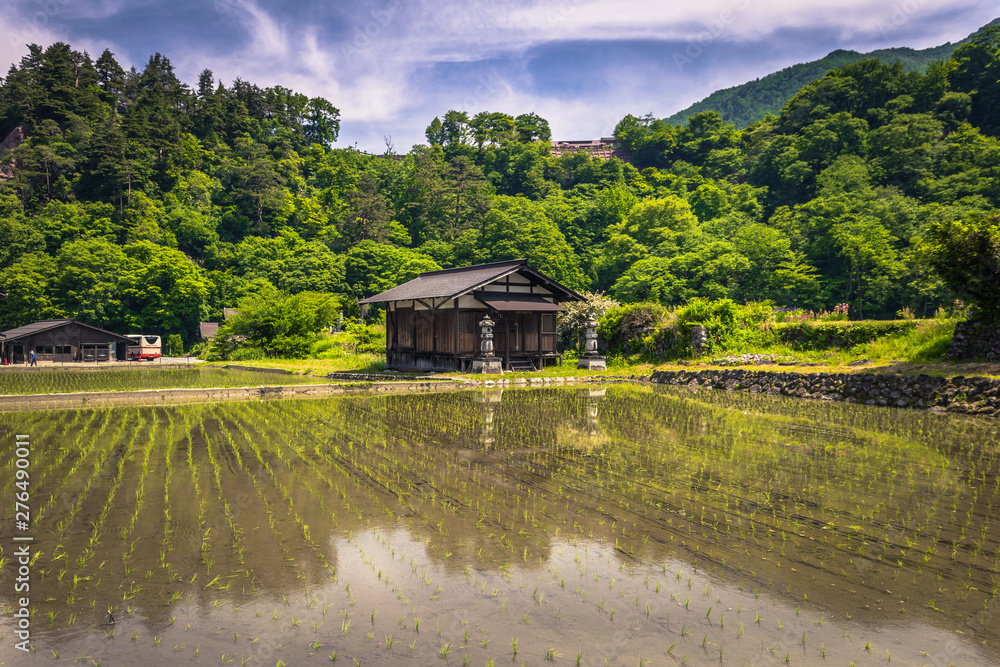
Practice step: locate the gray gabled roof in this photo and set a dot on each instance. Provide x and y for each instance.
(450, 283)
(45, 325)
(207, 330)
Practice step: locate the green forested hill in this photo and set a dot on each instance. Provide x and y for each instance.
(749, 102)
(137, 201)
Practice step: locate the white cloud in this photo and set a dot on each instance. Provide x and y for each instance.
(474, 29)
(269, 38)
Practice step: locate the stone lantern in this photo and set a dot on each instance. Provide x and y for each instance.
(591, 360)
(485, 361)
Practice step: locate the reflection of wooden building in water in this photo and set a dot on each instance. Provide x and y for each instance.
(432, 322)
(61, 340)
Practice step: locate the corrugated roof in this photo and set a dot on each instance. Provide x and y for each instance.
(45, 325)
(448, 283)
(504, 301)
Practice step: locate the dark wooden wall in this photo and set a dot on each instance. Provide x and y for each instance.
(456, 332)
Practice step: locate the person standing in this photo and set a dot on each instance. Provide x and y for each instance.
(34, 359)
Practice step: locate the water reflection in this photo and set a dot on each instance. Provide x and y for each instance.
(488, 399)
(617, 521)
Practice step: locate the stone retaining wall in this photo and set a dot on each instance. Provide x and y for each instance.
(976, 395)
(570, 379)
(258, 369)
(975, 340)
(378, 377)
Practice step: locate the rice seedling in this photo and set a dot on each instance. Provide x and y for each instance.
(60, 380)
(714, 482)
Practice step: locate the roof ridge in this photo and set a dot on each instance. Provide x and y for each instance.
(458, 269)
(451, 283)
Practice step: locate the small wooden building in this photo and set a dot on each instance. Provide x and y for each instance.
(432, 322)
(61, 340)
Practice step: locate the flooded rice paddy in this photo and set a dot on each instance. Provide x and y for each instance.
(622, 525)
(59, 380)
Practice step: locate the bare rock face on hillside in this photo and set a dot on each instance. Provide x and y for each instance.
(10, 142)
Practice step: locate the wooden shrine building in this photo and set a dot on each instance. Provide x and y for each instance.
(432, 322)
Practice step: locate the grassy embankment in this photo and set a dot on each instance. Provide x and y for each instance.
(921, 350)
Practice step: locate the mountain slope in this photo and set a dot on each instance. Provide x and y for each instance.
(747, 103)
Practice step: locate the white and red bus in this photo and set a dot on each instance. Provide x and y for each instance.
(143, 347)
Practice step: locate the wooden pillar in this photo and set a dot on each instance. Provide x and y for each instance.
(521, 334)
(506, 339)
(395, 333)
(413, 329)
(538, 331)
(454, 345)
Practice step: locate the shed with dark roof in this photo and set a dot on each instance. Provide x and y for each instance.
(207, 331)
(61, 340)
(432, 321)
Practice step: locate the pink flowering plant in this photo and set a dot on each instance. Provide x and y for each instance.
(841, 312)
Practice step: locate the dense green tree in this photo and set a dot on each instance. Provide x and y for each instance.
(868, 246)
(322, 122)
(367, 215)
(443, 199)
(822, 201)
(903, 149)
(373, 267)
(519, 228)
(658, 224)
(277, 324)
(27, 285)
(795, 282)
(60, 223)
(649, 279)
(290, 263)
(110, 77)
(88, 281)
(162, 290)
(976, 71)
(966, 254)
(255, 186)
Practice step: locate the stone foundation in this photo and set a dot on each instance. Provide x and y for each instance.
(592, 363)
(493, 365)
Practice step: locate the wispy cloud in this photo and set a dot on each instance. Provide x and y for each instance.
(268, 37)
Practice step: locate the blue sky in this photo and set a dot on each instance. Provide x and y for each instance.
(390, 66)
